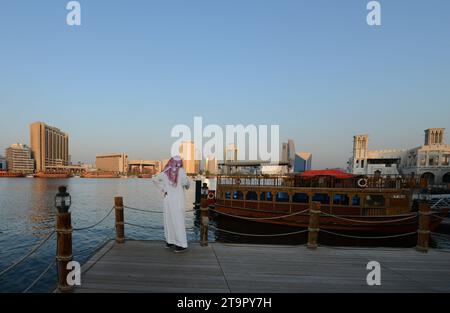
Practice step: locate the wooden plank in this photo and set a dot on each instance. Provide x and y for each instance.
(146, 266)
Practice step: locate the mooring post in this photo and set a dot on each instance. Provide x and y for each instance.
(63, 238)
(423, 233)
(313, 229)
(120, 229)
(204, 216)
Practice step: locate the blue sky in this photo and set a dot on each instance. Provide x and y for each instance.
(134, 69)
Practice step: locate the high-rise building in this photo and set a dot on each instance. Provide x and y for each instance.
(117, 163)
(303, 162)
(187, 152)
(211, 165)
(19, 159)
(2, 163)
(288, 154)
(231, 153)
(49, 146)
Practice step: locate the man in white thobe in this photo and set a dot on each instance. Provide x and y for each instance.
(172, 181)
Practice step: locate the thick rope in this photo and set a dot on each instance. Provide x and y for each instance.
(149, 211)
(27, 255)
(369, 222)
(375, 237)
(92, 226)
(259, 218)
(39, 277)
(258, 235)
(143, 226)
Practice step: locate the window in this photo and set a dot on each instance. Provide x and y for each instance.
(340, 199)
(356, 200)
(266, 196)
(446, 159)
(323, 198)
(375, 201)
(227, 195)
(252, 196)
(282, 197)
(238, 195)
(300, 198)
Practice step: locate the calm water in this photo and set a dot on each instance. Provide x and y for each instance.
(27, 215)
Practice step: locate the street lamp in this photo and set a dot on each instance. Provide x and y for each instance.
(63, 200)
(204, 192)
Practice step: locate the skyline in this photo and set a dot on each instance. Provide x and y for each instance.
(130, 73)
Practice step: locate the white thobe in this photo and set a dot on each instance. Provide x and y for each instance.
(174, 207)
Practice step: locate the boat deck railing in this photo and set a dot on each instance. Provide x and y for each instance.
(375, 182)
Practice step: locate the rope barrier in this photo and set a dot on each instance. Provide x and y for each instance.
(149, 211)
(143, 226)
(40, 276)
(27, 255)
(92, 226)
(151, 227)
(375, 237)
(369, 222)
(258, 235)
(103, 241)
(259, 218)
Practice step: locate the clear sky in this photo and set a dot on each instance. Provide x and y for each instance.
(134, 69)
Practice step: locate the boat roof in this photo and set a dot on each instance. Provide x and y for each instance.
(332, 173)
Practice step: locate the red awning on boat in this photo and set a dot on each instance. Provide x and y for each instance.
(332, 173)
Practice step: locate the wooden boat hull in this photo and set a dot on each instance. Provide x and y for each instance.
(52, 175)
(388, 224)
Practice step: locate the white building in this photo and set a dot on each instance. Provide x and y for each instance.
(430, 161)
(19, 160)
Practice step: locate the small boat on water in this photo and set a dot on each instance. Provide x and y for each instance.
(100, 175)
(52, 175)
(348, 203)
(6, 174)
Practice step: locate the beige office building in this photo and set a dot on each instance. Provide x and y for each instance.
(49, 145)
(19, 159)
(187, 152)
(117, 163)
(211, 165)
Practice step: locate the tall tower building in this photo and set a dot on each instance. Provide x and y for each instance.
(49, 145)
(231, 153)
(187, 153)
(360, 150)
(434, 136)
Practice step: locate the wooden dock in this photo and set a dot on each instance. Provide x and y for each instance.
(146, 266)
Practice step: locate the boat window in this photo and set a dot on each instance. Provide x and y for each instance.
(238, 195)
(300, 198)
(252, 195)
(227, 195)
(356, 200)
(282, 197)
(340, 199)
(323, 198)
(266, 196)
(374, 201)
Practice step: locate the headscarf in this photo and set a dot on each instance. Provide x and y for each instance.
(172, 168)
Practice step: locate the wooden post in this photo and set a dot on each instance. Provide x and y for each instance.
(63, 249)
(314, 214)
(120, 230)
(423, 233)
(204, 221)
